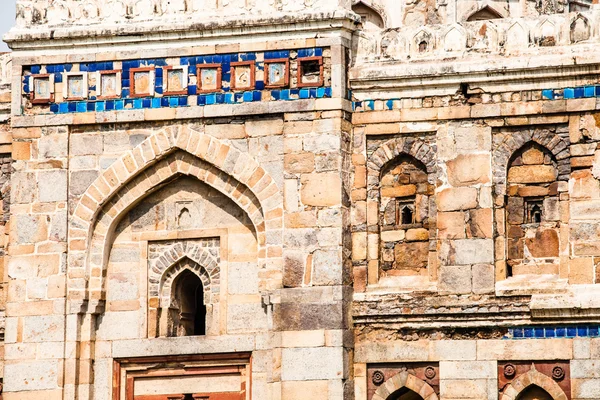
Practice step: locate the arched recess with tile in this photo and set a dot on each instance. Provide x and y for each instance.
(405, 386)
(530, 381)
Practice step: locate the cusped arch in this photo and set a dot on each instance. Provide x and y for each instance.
(533, 378)
(404, 380)
(169, 153)
(373, 8)
(394, 148)
(503, 153)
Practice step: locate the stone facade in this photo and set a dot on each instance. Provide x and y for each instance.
(279, 200)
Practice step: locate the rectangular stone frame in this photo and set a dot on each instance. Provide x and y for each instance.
(119, 88)
(66, 76)
(300, 72)
(184, 70)
(32, 79)
(123, 380)
(151, 82)
(285, 61)
(219, 69)
(252, 66)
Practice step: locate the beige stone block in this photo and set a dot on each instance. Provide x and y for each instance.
(304, 364)
(585, 388)
(451, 225)
(581, 348)
(452, 350)
(455, 199)
(420, 234)
(455, 279)
(532, 349)
(393, 236)
(532, 174)
(359, 246)
(470, 169)
(303, 338)
(393, 351)
(264, 127)
(305, 389)
(321, 190)
(464, 389)
(469, 370)
(31, 376)
(56, 394)
(299, 163)
(581, 271)
(398, 191)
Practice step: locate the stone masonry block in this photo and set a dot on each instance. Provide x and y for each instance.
(316, 363)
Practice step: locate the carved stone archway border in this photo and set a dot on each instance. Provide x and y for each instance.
(533, 378)
(404, 380)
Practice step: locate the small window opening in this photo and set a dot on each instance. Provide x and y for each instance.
(407, 215)
(423, 47)
(311, 68)
(188, 310)
(405, 211)
(534, 211)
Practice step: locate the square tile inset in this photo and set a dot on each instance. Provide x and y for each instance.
(41, 88)
(242, 75)
(310, 71)
(108, 84)
(277, 73)
(175, 80)
(141, 81)
(209, 78)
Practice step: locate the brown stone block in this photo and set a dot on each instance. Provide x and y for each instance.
(417, 235)
(451, 225)
(308, 316)
(411, 256)
(467, 170)
(360, 279)
(532, 174)
(398, 191)
(454, 199)
(581, 271)
(545, 243)
(480, 224)
(21, 150)
(531, 191)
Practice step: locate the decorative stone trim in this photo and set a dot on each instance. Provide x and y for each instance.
(393, 148)
(533, 377)
(405, 380)
(139, 172)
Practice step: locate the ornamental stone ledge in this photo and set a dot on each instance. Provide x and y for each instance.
(581, 301)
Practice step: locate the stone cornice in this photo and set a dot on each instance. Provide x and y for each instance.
(223, 29)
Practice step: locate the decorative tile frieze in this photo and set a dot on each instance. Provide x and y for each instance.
(552, 332)
(284, 75)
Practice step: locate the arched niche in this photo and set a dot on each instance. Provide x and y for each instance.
(534, 392)
(484, 14)
(531, 384)
(371, 18)
(405, 386)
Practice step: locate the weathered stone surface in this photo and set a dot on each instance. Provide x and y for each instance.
(457, 199)
(532, 174)
(321, 190)
(467, 170)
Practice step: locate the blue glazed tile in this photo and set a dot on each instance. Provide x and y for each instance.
(239, 97)
(84, 67)
(50, 69)
(578, 92)
(548, 94)
(125, 83)
(260, 85)
(110, 105)
(550, 332)
(597, 90)
(186, 60)
(284, 94)
(147, 103)
(217, 59)
(582, 331)
(129, 103)
(294, 92)
(248, 56)
(569, 93)
(260, 66)
(183, 101)
(370, 104)
(256, 96)
(304, 93)
(226, 58)
(158, 81)
(319, 52)
(82, 106)
(68, 67)
(275, 94)
(156, 102)
(36, 69)
(100, 106)
(138, 104)
(594, 331)
(226, 76)
(91, 67)
(54, 108)
(63, 108)
(389, 104)
(538, 332)
(159, 90)
(561, 332)
(72, 107)
(192, 70)
(313, 93)
(589, 91)
(220, 98)
(201, 100)
(208, 59)
(173, 101)
(58, 78)
(229, 98)
(193, 90)
(131, 64)
(328, 92)
(571, 331)
(270, 55)
(159, 74)
(518, 333)
(356, 104)
(211, 99)
(91, 106)
(93, 87)
(119, 104)
(302, 53)
(125, 93)
(248, 97)
(528, 332)
(320, 92)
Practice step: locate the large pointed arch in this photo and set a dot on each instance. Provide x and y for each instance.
(172, 152)
(408, 381)
(533, 378)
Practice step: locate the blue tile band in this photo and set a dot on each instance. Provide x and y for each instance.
(552, 332)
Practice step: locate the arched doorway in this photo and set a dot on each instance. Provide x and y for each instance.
(534, 393)
(404, 394)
